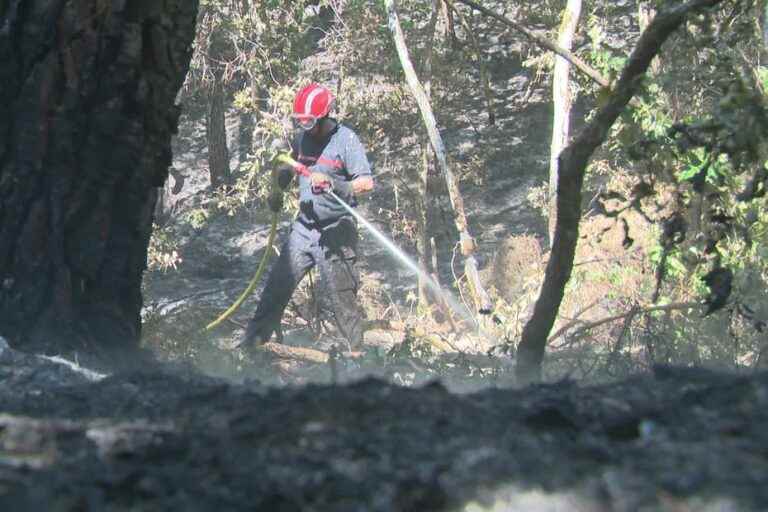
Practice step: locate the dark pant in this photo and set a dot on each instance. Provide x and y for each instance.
(334, 250)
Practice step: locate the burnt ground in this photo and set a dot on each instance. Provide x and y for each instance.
(168, 438)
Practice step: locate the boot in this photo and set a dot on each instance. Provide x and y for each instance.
(258, 333)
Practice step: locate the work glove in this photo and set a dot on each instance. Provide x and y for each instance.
(284, 175)
(320, 182)
(275, 201)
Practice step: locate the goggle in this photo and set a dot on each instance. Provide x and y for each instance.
(306, 122)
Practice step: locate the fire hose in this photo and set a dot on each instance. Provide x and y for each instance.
(302, 170)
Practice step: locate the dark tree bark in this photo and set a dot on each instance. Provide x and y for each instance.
(216, 134)
(87, 111)
(450, 26)
(573, 162)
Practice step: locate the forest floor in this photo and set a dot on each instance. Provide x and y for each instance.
(169, 438)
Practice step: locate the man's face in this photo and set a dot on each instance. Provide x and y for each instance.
(306, 122)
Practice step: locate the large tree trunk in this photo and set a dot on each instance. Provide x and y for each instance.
(482, 301)
(562, 99)
(573, 163)
(216, 135)
(87, 111)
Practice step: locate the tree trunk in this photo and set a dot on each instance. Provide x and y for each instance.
(87, 91)
(482, 300)
(161, 206)
(422, 237)
(450, 26)
(485, 80)
(562, 98)
(216, 135)
(245, 130)
(573, 163)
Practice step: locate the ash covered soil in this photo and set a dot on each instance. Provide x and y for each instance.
(167, 438)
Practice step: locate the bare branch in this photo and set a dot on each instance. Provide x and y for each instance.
(632, 312)
(544, 43)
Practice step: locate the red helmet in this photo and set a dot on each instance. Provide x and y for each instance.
(312, 102)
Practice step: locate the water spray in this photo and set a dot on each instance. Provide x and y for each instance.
(388, 244)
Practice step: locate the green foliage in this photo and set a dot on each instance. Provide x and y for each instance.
(602, 53)
(696, 136)
(698, 164)
(762, 73)
(163, 251)
(197, 217)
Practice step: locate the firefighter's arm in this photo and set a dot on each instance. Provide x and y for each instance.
(360, 185)
(282, 171)
(284, 175)
(358, 165)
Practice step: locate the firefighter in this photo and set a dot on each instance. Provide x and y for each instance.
(324, 234)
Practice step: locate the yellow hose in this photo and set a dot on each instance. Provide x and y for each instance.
(264, 259)
(254, 280)
(286, 159)
(260, 270)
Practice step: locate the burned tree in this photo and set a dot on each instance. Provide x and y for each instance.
(86, 116)
(216, 135)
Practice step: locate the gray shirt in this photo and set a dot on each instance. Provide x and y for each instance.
(340, 155)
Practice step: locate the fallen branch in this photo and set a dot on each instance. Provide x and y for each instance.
(585, 326)
(307, 355)
(281, 351)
